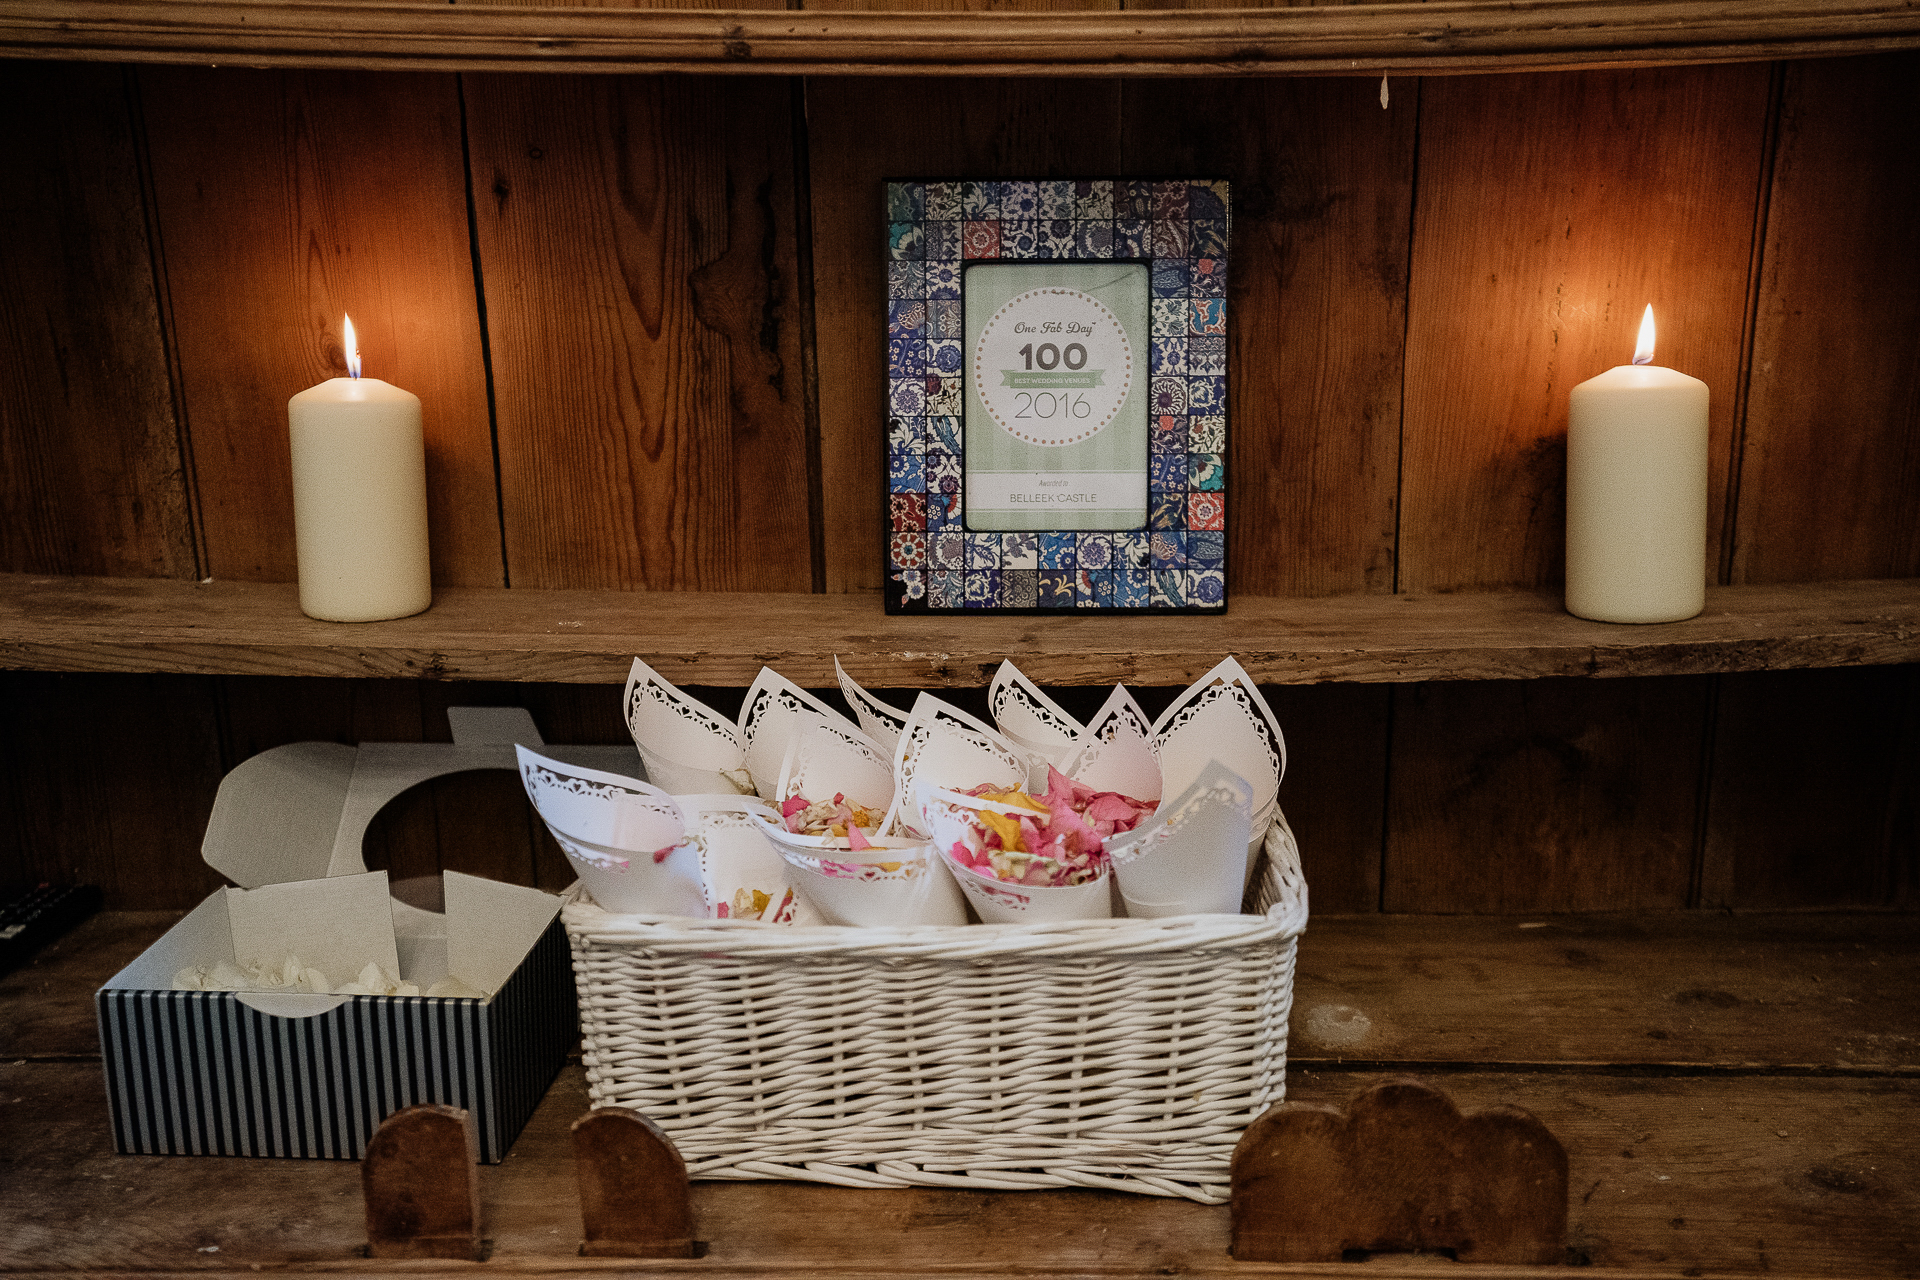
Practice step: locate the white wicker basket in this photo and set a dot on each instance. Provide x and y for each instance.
(1121, 1054)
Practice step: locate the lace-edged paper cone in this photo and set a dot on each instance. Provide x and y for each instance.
(1116, 752)
(910, 888)
(949, 814)
(1032, 721)
(877, 720)
(1222, 716)
(775, 710)
(626, 840)
(943, 746)
(688, 748)
(894, 880)
(825, 759)
(737, 863)
(1191, 856)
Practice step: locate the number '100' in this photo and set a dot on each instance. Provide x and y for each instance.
(1049, 356)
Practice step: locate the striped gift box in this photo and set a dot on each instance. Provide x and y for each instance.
(203, 1073)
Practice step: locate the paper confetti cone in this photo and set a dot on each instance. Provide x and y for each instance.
(950, 815)
(1191, 856)
(943, 746)
(625, 839)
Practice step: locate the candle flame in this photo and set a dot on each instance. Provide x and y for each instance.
(353, 347)
(1643, 349)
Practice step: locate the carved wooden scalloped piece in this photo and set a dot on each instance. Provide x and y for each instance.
(423, 1186)
(1400, 1170)
(634, 1196)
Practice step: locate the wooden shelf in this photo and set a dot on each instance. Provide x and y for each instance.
(582, 637)
(1448, 37)
(1736, 1095)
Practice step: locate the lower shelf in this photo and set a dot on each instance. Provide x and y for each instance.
(1736, 1095)
(591, 637)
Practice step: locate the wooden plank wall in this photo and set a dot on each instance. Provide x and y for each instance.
(645, 318)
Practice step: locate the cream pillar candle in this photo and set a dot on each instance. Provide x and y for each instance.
(359, 498)
(1637, 493)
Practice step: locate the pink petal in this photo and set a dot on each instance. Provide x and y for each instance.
(1111, 806)
(1059, 784)
(856, 838)
(1068, 825)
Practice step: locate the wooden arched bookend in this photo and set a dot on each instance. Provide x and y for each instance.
(423, 1186)
(634, 1197)
(1400, 1170)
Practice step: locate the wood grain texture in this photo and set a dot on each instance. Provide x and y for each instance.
(1796, 1176)
(1551, 211)
(860, 133)
(1548, 795)
(1724, 1170)
(718, 638)
(1322, 197)
(1707, 992)
(634, 1198)
(111, 781)
(1445, 36)
(962, 6)
(1832, 447)
(49, 1000)
(422, 1185)
(637, 238)
(1813, 791)
(286, 200)
(92, 475)
(1335, 791)
(1399, 1170)
(616, 4)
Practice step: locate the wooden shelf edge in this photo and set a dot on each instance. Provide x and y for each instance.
(591, 637)
(1447, 37)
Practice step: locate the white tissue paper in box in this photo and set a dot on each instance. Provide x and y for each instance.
(943, 746)
(1191, 855)
(335, 925)
(626, 839)
(949, 815)
(877, 720)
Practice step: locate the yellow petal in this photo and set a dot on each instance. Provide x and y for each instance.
(1007, 828)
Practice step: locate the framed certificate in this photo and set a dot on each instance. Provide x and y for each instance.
(1056, 416)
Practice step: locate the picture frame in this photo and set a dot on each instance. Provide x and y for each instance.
(1056, 395)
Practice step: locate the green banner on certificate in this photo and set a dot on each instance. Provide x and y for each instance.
(1056, 406)
(1021, 379)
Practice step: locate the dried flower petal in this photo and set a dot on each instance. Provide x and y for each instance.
(1063, 842)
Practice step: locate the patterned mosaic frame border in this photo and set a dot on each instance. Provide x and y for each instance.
(935, 229)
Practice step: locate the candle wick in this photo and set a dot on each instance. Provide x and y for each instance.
(1646, 359)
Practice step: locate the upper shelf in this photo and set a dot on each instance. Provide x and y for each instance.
(1449, 36)
(591, 637)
